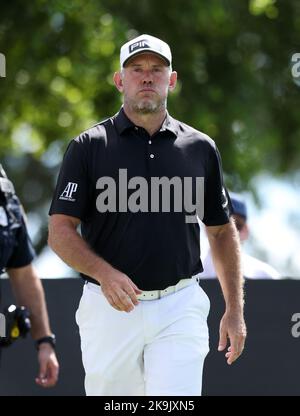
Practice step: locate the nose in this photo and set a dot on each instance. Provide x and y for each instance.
(147, 77)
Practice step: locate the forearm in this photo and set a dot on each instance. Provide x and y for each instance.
(226, 254)
(73, 250)
(29, 292)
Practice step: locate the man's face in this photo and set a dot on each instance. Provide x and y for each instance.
(145, 82)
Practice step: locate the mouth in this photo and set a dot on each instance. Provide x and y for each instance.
(147, 90)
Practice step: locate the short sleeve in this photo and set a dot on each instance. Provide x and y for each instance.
(71, 196)
(23, 252)
(217, 205)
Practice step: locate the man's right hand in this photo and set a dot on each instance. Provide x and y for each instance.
(117, 287)
(120, 291)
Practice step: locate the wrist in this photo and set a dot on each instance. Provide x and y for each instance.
(49, 339)
(103, 271)
(104, 276)
(235, 306)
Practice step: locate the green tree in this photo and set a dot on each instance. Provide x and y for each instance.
(235, 82)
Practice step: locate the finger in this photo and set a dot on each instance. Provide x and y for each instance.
(234, 347)
(231, 357)
(48, 372)
(117, 303)
(240, 348)
(136, 289)
(41, 381)
(235, 351)
(52, 375)
(131, 293)
(222, 340)
(125, 300)
(112, 302)
(46, 381)
(242, 343)
(43, 367)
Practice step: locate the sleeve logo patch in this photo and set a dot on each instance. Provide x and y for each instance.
(67, 194)
(224, 199)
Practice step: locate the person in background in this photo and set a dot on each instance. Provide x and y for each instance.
(16, 255)
(253, 268)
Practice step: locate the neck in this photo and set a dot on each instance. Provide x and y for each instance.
(150, 122)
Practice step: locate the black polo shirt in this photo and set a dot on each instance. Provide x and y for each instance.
(155, 249)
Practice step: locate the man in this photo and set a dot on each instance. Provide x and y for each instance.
(253, 268)
(138, 254)
(16, 256)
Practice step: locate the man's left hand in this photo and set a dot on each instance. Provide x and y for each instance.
(232, 326)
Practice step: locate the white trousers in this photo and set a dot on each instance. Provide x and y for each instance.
(158, 349)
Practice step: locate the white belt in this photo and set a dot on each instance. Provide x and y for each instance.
(155, 294)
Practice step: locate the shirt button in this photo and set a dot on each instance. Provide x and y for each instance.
(149, 142)
(152, 155)
(136, 128)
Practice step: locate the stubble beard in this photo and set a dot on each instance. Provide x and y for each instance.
(146, 106)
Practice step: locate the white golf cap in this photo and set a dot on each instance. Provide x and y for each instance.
(143, 44)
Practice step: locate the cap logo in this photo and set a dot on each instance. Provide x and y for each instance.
(138, 45)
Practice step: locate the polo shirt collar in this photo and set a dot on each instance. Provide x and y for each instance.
(123, 123)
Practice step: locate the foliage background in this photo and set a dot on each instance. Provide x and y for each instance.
(235, 83)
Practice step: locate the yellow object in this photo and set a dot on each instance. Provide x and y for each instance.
(15, 332)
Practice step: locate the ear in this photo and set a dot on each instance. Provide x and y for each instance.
(173, 81)
(118, 81)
